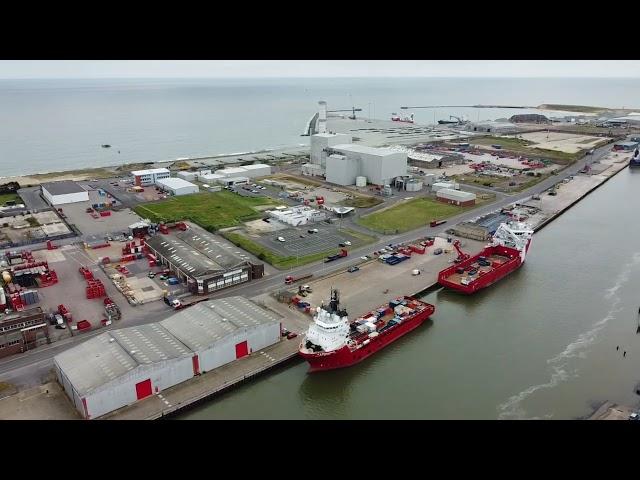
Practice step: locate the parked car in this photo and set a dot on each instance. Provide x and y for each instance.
(281, 239)
(163, 277)
(151, 274)
(437, 251)
(353, 269)
(291, 335)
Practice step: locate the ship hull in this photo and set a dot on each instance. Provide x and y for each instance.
(345, 357)
(449, 279)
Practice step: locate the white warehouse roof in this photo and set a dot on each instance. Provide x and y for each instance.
(205, 323)
(230, 171)
(350, 147)
(106, 357)
(455, 194)
(174, 183)
(150, 171)
(256, 166)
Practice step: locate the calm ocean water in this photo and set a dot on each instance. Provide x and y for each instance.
(51, 125)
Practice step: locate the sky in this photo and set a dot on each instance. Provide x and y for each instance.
(13, 69)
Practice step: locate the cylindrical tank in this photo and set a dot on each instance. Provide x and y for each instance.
(6, 277)
(414, 185)
(361, 181)
(3, 298)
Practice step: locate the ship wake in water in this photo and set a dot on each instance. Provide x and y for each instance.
(512, 408)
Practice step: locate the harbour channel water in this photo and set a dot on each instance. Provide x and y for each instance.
(539, 344)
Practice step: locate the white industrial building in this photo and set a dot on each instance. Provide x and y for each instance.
(60, 193)
(221, 331)
(211, 178)
(320, 142)
(296, 216)
(250, 171)
(456, 197)
(379, 165)
(142, 178)
(177, 186)
(188, 176)
(120, 367)
(440, 185)
(257, 170)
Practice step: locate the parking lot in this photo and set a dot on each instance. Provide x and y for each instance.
(32, 199)
(118, 187)
(298, 241)
(118, 221)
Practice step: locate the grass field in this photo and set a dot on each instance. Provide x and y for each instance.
(409, 215)
(211, 211)
(282, 262)
(526, 148)
(7, 197)
(361, 202)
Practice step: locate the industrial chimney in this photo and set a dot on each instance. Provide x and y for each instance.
(322, 117)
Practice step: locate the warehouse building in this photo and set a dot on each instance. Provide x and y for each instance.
(224, 330)
(120, 367)
(321, 142)
(379, 165)
(494, 127)
(456, 197)
(188, 176)
(250, 171)
(143, 178)
(61, 193)
(203, 261)
(177, 186)
(296, 216)
(211, 178)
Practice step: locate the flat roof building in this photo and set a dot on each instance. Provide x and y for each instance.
(66, 191)
(321, 141)
(380, 165)
(120, 367)
(177, 186)
(142, 178)
(204, 261)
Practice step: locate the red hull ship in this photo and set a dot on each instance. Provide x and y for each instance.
(332, 341)
(503, 255)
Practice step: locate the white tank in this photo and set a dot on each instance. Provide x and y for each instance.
(3, 298)
(414, 185)
(361, 181)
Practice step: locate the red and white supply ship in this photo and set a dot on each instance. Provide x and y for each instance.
(506, 252)
(332, 341)
(397, 118)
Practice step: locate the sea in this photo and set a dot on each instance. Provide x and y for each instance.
(56, 125)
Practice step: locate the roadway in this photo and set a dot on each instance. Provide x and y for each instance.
(32, 365)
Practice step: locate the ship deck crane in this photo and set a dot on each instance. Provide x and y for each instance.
(461, 255)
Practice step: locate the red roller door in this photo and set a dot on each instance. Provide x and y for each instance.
(143, 389)
(242, 349)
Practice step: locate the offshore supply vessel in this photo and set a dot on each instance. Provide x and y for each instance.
(332, 341)
(506, 252)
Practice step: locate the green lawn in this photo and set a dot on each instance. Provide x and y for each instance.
(281, 262)
(409, 215)
(7, 197)
(361, 201)
(211, 211)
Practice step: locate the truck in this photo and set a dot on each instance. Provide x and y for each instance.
(173, 302)
(435, 223)
(331, 258)
(289, 279)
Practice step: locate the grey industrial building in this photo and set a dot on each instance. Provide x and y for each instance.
(120, 367)
(320, 142)
(63, 192)
(203, 261)
(380, 166)
(493, 127)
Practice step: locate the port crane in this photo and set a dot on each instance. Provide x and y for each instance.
(461, 255)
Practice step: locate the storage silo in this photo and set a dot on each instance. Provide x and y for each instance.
(361, 181)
